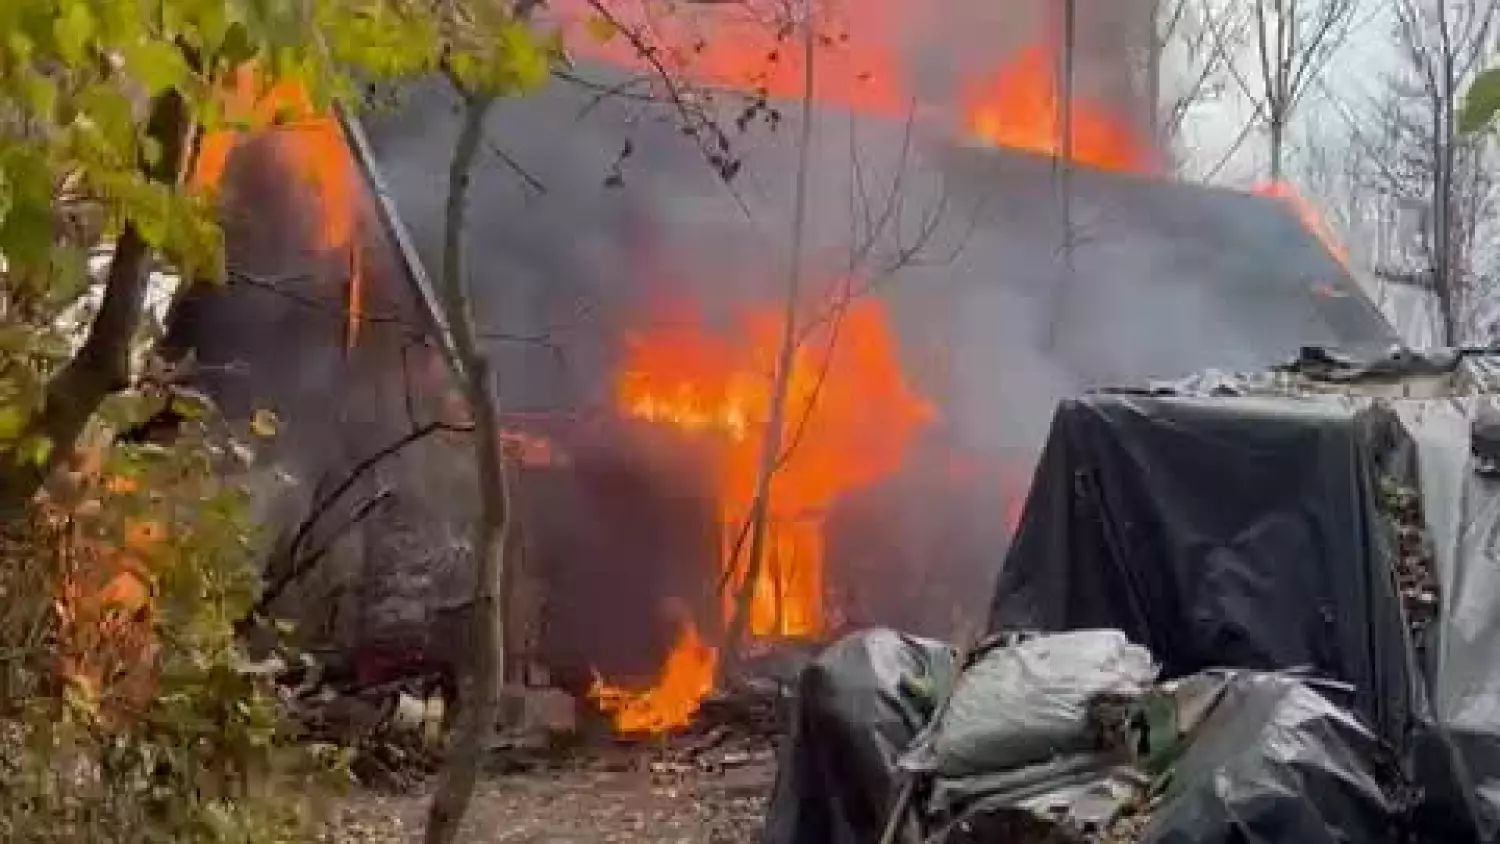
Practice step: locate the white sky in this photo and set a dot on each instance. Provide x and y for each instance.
(1346, 87)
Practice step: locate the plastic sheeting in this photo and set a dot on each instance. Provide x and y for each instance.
(1462, 510)
(1025, 704)
(1238, 758)
(859, 704)
(1276, 762)
(1219, 532)
(1248, 533)
(1265, 758)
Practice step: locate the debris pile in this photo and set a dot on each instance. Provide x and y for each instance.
(1416, 577)
(392, 730)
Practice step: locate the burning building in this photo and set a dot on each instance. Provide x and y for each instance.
(961, 281)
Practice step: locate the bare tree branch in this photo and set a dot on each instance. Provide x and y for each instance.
(1294, 42)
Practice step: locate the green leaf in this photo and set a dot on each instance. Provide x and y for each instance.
(35, 449)
(26, 232)
(5, 196)
(157, 65)
(236, 47)
(12, 422)
(527, 60)
(1481, 103)
(72, 31)
(190, 404)
(151, 151)
(40, 95)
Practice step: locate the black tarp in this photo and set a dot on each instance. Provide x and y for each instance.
(1254, 533)
(858, 705)
(1462, 512)
(1268, 758)
(1236, 532)
(1276, 761)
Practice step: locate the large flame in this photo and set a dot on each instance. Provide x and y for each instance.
(850, 415)
(1018, 107)
(311, 146)
(741, 48)
(1014, 106)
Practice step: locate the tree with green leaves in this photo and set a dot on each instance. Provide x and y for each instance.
(102, 107)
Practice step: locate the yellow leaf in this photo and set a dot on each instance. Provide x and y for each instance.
(264, 424)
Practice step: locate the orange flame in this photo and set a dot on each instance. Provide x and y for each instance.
(1015, 107)
(721, 48)
(312, 148)
(718, 387)
(1309, 216)
(686, 678)
(1018, 108)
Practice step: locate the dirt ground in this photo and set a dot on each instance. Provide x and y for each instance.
(629, 795)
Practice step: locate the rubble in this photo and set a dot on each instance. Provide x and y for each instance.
(393, 730)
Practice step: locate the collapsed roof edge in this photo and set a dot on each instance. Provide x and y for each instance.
(415, 272)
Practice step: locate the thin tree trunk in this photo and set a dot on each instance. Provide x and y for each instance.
(1441, 278)
(480, 700)
(1064, 164)
(102, 365)
(1154, 49)
(771, 449)
(1278, 136)
(1447, 140)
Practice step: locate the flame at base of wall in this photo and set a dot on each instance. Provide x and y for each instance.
(849, 418)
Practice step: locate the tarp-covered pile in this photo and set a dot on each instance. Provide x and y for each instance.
(1062, 738)
(1308, 612)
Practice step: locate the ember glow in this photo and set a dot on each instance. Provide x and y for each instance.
(850, 415)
